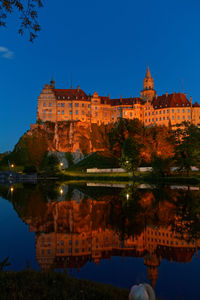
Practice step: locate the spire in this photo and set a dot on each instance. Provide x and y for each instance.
(148, 74)
(52, 83)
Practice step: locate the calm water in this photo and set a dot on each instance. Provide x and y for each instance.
(119, 234)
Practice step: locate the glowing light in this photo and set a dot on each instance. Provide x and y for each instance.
(61, 164)
(61, 191)
(127, 196)
(12, 165)
(12, 189)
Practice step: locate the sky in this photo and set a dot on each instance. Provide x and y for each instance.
(106, 45)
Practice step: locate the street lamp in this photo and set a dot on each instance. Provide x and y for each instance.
(61, 191)
(12, 166)
(127, 196)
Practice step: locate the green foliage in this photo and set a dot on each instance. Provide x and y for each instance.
(30, 169)
(39, 121)
(130, 158)
(161, 166)
(27, 14)
(69, 158)
(4, 263)
(187, 151)
(50, 165)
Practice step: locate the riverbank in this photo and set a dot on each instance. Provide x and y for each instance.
(31, 284)
(148, 177)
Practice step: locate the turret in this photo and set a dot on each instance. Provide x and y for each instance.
(148, 92)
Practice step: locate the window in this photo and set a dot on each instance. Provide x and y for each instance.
(188, 110)
(58, 104)
(76, 112)
(62, 112)
(188, 117)
(156, 119)
(88, 105)
(44, 104)
(82, 104)
(156, 112)
(145, 114)
(178, 110)
(178, 118)
(95, 107)
(153, 113)
(153, 120)
(168, 111)
(83, 112)
(183, 110)
(164, 118)
(183, 117)
(70, 104)
(149, 113)
(163, 111)
(49, 104)
(76, 104)
(58, 112)
(160, 119)
(62, 104)
(70, 112)
(131, 114)
(172, 117)
(160, 112)
(50, 111)
(173, 110)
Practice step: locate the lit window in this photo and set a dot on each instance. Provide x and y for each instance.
(63, 97)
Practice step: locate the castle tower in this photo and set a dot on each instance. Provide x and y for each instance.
(148, 92)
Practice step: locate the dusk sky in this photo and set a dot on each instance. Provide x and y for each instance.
(106, 45)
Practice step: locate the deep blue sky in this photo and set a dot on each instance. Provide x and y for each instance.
(106, 45)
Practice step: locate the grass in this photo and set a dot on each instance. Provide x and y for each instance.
(31, 284)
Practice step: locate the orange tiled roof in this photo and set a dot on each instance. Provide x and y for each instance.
(70, 94)
(122, 101)
(172, 100)
(196, 105)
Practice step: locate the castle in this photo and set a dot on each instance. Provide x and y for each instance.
(75, 105)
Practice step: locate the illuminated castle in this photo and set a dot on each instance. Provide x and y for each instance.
(75, 105)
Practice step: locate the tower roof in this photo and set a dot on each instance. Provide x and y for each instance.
(148, 74)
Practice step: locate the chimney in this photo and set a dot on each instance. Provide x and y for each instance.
(166, 94)
(77, 88)
(185, 95)
(190, 101)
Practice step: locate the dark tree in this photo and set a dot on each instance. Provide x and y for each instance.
(27, 11)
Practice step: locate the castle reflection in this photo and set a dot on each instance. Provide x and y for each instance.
(90, 223)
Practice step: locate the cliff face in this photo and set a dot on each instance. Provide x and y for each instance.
(73, 136)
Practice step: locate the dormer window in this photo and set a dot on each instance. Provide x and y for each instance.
(68, 97)
(63, 97)
(58, 97)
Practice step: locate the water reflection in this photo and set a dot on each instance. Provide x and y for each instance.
(74, 224)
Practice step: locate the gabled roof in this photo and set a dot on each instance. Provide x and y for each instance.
(196, 105)
(70, 94)
(172, 100)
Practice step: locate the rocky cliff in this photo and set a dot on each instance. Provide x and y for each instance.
(73, 136)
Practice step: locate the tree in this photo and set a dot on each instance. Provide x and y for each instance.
(130, 158)
(161, 166)
(27, 14)
(187, 151)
